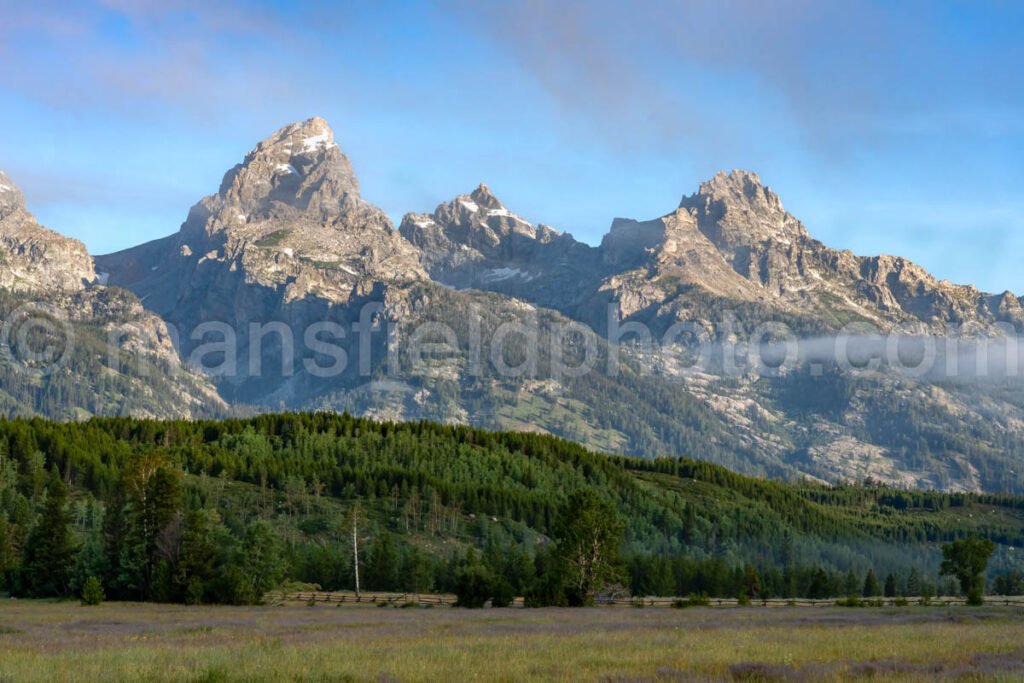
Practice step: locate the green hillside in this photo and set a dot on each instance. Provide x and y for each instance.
(176, 510)
(99, 356)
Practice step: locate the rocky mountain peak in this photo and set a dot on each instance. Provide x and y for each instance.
(475, 242)
(297, 168)
(11, 198)
(738, 190)
(476, 220)
(311, 140)
(34, 258)
(289, 218)
(739, 184)
(736, 209)
(483, 198)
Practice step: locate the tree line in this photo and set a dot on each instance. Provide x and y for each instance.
(223, 511)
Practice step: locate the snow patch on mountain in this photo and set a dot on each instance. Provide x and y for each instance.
(499, 274)
(315, 142)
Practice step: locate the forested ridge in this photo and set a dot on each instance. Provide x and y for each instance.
(222, 511)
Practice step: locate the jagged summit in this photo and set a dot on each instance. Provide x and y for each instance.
(34, 258)
(736, 186)
(484, 199)
(297, 168)
(735, 209)
(735, 181)
(288, 218)
(477, 222)
(302, 137)
(475, 242)
(11, 197)
(734, 240)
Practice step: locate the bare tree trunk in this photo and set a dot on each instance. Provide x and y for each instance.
(355, 545)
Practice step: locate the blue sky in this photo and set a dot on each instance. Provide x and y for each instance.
(885, 127)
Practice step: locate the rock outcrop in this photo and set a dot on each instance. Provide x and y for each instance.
(34, 259)
(95, 346)
(734, 241)
(289, 218)
(474, 242)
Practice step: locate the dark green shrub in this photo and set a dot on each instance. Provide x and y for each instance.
(695, 600)
(475, 585)
(502, 593)
(546, 591)
(699, 600)
(92, 592)
(194, 592)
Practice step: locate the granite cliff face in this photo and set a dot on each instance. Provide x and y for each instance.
(288, 219)
(286, 239)
(33, 258)
(474, 242)
(95, 347)
(733, 241)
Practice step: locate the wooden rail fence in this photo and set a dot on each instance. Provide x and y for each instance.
(340, 598)
(830, 602)
(312, 597)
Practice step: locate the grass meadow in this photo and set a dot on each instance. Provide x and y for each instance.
(63, 641)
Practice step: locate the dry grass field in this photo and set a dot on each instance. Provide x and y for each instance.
(45, 641)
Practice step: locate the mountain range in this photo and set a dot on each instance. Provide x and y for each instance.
(287, 290)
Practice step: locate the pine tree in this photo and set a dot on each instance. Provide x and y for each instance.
(871, 587)
(260, 561)
(8, 559)
(197, 559)
(91, 561)
(751, 582)
(50, 549)
(417, 571)
(890, 585)
(914, 582)
(382, 565)
(853, 584)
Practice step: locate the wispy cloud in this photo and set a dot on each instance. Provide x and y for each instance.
(143, 57)
(846, 72)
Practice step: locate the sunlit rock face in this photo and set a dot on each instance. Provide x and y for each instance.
(288, 218)
(73, 347)
(475, 242)
(33, 258)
